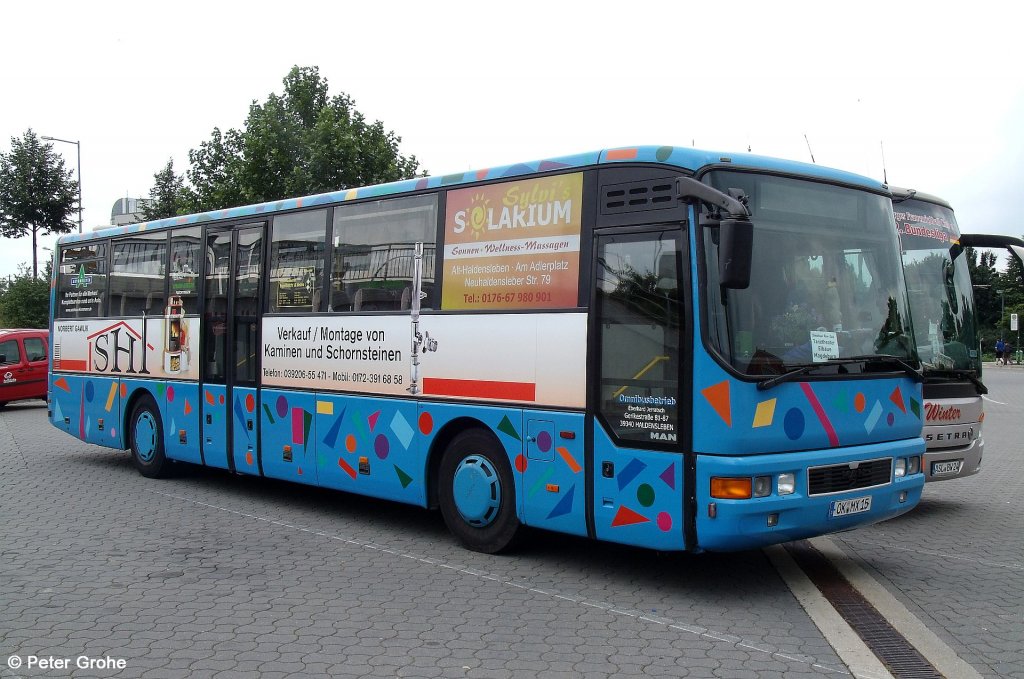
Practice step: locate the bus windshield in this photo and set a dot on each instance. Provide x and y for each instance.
(826, 282)
(939, 284)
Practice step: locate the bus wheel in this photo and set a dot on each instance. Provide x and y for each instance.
(477, 493)
(146, 440)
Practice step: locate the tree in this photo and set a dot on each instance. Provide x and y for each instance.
(25, 301)
(297, 143)
(37, 193)
(169, 196)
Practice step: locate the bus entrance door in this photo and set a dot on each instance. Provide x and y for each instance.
(230, 347)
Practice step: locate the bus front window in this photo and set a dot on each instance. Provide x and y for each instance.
(826, 281)
(939, 283)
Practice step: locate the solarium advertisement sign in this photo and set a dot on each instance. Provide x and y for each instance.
(514, 245)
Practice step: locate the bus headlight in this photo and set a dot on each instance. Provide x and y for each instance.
(786, 484)
(915, 465)
(762, 486)
(901, 467)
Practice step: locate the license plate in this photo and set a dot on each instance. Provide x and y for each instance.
(948, 467)
(847, 507)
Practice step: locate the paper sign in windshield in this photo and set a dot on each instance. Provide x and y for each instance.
(824, 346)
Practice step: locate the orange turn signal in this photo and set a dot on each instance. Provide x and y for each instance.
(725, 488)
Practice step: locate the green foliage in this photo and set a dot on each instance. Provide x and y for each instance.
(297, 143)
(169, 196)
(25, 301)
(37, 193)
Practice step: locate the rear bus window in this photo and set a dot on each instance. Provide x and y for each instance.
(82, 281)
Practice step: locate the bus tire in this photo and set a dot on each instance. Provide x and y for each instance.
(146, 440)
(477, 493)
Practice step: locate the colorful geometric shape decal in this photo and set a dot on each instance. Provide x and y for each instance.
(506, 427)
(266, 409)
(282, 406)
(62, 383)
(645, 495)
(403, 478)
(764, 414)
(90, 391)
(717, 395)
(794, 423)
(301, 421)
(627, 517)
(325, 407)
(347, 467)
(400, 428)
(841, 401)
(890, 419)
(170, 393)
(332, 434)
(569, 460)
(915, 407)
(539, 483)
(897, 398)
(111, 395)
(669, 476)
(381, 446)
(665, 521)
(833, 439)
(360, 424)
(630, 472)
(521, 463)
(873, 416)
(564, 505)
(240, 416)
(188, 407)
(250, 403)
(426, 423)
(209, 398)
(543, 442)
(859, 402)
(372, 420)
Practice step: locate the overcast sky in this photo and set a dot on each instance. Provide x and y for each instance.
(478, 84)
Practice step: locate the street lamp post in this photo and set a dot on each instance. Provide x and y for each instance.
(79, 147)
(1002, 310)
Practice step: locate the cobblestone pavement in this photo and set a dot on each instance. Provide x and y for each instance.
(957, 560)
(209, 574)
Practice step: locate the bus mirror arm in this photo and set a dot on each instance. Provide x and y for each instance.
(1015, 246)
(735, 232)
(735, 207)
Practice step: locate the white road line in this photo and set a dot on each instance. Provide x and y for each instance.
(935, 651)
(850, 647)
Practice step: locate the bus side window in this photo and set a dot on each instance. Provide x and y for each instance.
(183, 269)
(373, 262)
(137, 275)
(297, 261)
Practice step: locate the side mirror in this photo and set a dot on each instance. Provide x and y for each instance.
(735, 250)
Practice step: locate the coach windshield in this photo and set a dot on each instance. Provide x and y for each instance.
(826, 282)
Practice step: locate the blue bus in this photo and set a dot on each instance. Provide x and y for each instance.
(655, 346)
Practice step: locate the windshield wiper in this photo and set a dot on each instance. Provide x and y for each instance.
(801, 370)
(970, 375)
(840, 362)
(910, 370)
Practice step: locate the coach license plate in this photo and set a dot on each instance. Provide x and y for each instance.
(947, 467)
(847, 507)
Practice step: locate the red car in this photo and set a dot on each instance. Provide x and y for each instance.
(23, 359)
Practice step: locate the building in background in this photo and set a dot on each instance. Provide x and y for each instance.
(127, 211)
